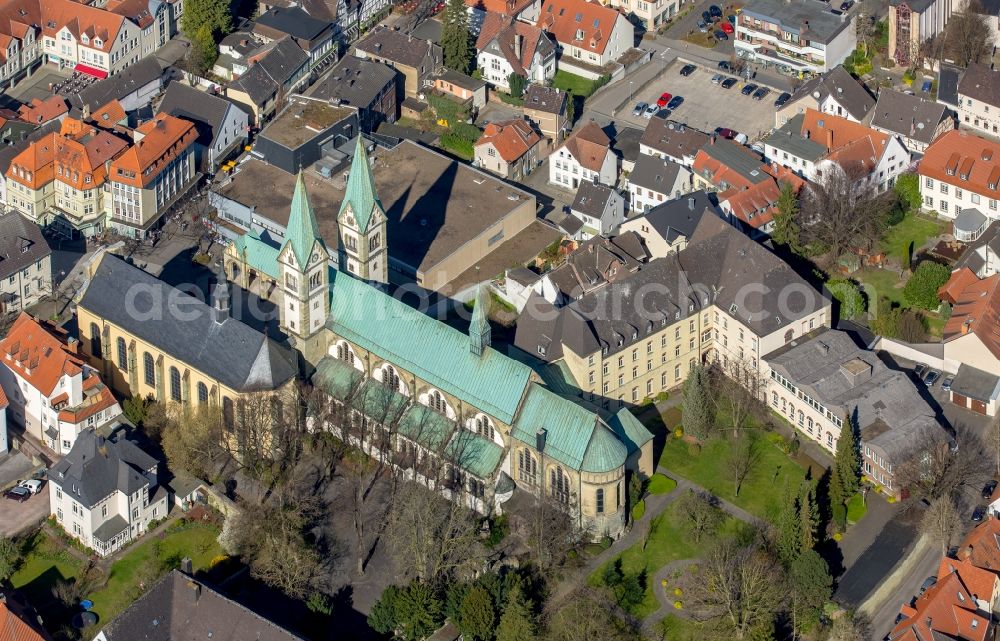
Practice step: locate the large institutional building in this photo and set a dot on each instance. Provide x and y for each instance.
(442, 405)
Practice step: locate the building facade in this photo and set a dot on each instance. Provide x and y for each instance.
(586, 156)
(979, 99)
(798, 36)
(958, 173)
(914, 22)
(508, 148)
(25, 264)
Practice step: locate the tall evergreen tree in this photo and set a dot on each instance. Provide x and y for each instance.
(787, 536)
(846, 476)
(456, 42)
(786, 228)
(477, 615)
(517, 623)
(808, 517)
(214, 14)
(811, 586)
(697, 408)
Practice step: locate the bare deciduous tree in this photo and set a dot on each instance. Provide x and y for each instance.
(937, 466)
(550, 532)
(992, 440)
(739, 392)
(585, 615)
(968, 37)
(842, 211)
(701, 515)
(192, 441)
(743, 457)
(940, 521)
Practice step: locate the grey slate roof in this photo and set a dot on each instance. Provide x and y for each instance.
(970, 220)
(789, 138)
(850, 381)
(974, 256)
(738, 158)
(658, 174)
(908, 116)
(794, 15)
(398, 47)
(547, 99)
(181, 608)
(207, 112)
(97, 467)
(980, 83)
(231, 352)
(293, 21)
(121, 84)
(674, 139)
(21, 244)
(354, 81)
(111, 528)
(592, 198)
(275, 69)
(837, 82)
(948, 77)
(975, 383)
(680, 217)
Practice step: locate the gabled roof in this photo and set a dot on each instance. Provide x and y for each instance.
(727, 165)
(906, 115)
(294, 22)
(116, 87)
(38, 112)
(589, 145)
(302, 232)
(844, 88)
(361, 194)
(18, 622)
(580, 23)
(944, 611)
(673, 139)
(981, 547)
(982, 584)
(163, 139)
(21, 244)
(399, 47)
(279, 64)
(981, 83)
(848, 143)
(977, 311)
(208, 112)
(97, 467)
(546, 99)
(957, 282)
(965, 160)
(38, 354)
(680, 217)
(592, 199)
(655, 173)
(498, 35)
(511, 138)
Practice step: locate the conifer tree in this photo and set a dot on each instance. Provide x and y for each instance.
(846, 477)
(697, 404)
(808, 517)
(787, 536)
(517, 623)
(455, 39)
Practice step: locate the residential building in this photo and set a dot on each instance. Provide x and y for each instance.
(638, 336)
(4, 438)
(915, 121)
(546, 107)
(971, 344)
(674, 141)
(507, 46)
(651, 15)
(148, 177)
(179, 604)
(222, 126)
(980, 546)
(370, 87)
(835, 92)
(480, 10)
(983, 583)
(455, 413)
(979, 99)
(588, 35)
(235, 52)
(912, 23)
(982, 254)
(508, 148)
(39, 112)
(753, 209)
(947, 610)
(800, 36)
(990, 11)
(462, 87)
(655, 180)
(352, 17)
(959, 172)
(104, 492)
(824, 383)
(272, 76)
(666, 228)
(814, 143)
(304, 130)
(25, 263)
(313, 35)
(586, 156)
(600, 208)
(19, 621)
(51, 391)
(417, 60)
(59, 179)
(596, 262)
(134, 87)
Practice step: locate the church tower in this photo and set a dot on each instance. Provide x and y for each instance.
(305, 274)
(363, 246)
(479, 328)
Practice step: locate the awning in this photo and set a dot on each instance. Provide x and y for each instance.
(92, 71)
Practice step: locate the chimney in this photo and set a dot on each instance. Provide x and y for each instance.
(540, 439)
(86, 112)
(829, 138)
(965, 552)
(186, 566)
(195, 588)
(691, 203)
(220, 297)
(518, 45)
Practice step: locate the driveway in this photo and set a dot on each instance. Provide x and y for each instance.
(17, 517)
(495, 112)
(876, 563)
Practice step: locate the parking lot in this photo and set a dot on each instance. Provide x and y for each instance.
(16, 517)
(706, 105)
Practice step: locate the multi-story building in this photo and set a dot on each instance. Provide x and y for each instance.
(650, 14)
(959, 172)
(914, 22)
(665, 229)
(674, 141)
(916, 121)
(654, 181)
(600, 208)
(588, 35)
(60, 179)
(641, 334)
(52, 393)
(222, 126)
(825, 384)
(104, 492)
(25, 263)
(313, 35)
(797, 36)
(586, 156)
(368, 86)
(546, 107)
(835, 92)
(417, 60)
(507, 46)
(508, 148)
(979, 99)
(152, 174)
(273, 74)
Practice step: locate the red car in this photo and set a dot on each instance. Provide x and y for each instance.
(664, 99)
(728, 28)
(725, 132)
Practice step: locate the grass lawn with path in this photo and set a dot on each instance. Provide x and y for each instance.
(677, 628)
(914, 228)
(572, 83)
(856, 508)
(660, 484)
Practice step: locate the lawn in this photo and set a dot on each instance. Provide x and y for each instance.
(674, 628)
(46, 563)
(660, 484)
(856, 508)
(915, 229)
(667, 542)
(878, 283)
(572, 83)
(760, 494)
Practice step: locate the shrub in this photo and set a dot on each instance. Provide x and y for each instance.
(679, 432)
(839, 514)
(921, 290)
(661, 397)
(837, 536)
(694, 449)
(660, 484)
(638, 510)
(890, 499)
(793, 446)
(678, 605)
(678, 592)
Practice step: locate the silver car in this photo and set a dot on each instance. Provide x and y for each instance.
(717, 78)
(650, 110)
(640, 108)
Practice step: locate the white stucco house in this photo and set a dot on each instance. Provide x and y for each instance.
(586, 156)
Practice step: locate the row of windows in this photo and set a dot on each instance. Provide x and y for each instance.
(148, 366)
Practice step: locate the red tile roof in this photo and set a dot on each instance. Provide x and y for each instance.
(850, 144)
(567, 19)
(589, 146)
(982, 546)
(38, 354)
(499, 7)
(163, 139)
(80, 19)
(957, 282)
(3, 399)
(977, 311)
(964, 160)
(947, 608)
(982, 584)
(511, 138)
(97, 397)
(75, 156)
(41, 111)
(15, 628)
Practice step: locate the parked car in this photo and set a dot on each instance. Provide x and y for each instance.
(758, 147)
(931, 377)
(640, 107)
(725, 132)
(748, 89)
(715, 11)
(717, 78)
(927, 86)
(675, 102)
(728, 83)
(725, 66)
(17, 493)
(707, 17)
(32, 485)
(720, 35)
(650, 110)
(782, 99)
(663, 99)
(978, 513)
(846, 5)
(920, 369)
(731, 19)
(989, 488)
(728, 28)
(928, 583)
(702, 26)
(662, 114)
(761, 93)
(687, 70)
(946, 383)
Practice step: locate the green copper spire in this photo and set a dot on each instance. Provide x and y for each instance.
(479, 328)
(302, 231)
(361, 194)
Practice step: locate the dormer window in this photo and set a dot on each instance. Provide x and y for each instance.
(579, 34)
(84, 39)
(965, 176)
(950, 171)
(98, 43)
(993, 185)
(635, 335)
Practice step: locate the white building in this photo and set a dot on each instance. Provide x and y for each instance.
(654, 181)
(4, 444)
(104, 492)
(587, 33)
(979, 99)
(600, 208)
(25, 263)
(509, 46)
(959, 173)
(51, 391)
(794, 35)
(586, 156)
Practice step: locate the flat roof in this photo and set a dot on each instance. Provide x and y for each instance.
(795, 15)
(434, 204)
(302, 121)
